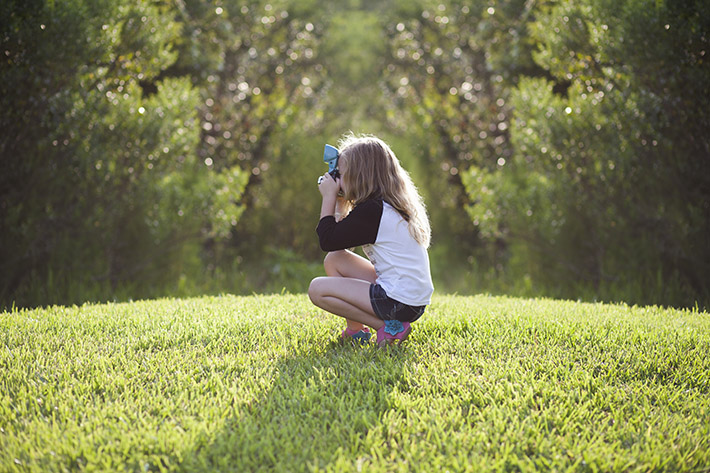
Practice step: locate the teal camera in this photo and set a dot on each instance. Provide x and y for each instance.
(330, 157)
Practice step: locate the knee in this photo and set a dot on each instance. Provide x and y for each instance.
(330, 262)
(315, 290)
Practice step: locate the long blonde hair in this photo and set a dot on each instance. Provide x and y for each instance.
(373, 172)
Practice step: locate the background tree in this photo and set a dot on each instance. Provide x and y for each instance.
(582, 90)
(130, 130)
(258, 67)
(451, 67)
(607, 192)
(87, 155)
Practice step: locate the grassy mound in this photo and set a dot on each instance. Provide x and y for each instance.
(261, 383)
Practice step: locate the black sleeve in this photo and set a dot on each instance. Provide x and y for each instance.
(360, 227)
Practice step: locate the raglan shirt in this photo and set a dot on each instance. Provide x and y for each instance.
(401, 264)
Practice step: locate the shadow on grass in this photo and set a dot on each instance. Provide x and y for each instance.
(319, 411)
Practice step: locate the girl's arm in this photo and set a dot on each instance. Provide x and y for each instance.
(360, 227)
(328, 188)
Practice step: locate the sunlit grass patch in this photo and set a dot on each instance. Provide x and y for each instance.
(261, 383)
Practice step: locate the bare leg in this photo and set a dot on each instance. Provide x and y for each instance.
(340, 266)
(346, 297)
(346, 264)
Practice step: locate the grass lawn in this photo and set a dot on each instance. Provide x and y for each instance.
(260, 383)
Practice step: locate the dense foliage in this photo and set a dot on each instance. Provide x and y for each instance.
(129, 132)
(581, 132)
(171, 147)
(609, 185)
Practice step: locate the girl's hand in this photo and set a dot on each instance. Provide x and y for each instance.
(328, 186)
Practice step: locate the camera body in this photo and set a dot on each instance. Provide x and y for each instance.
(330, 157)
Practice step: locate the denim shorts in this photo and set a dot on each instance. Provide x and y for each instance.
(387, 308)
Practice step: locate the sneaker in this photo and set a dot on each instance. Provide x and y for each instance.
(359, 336)
(393, 331)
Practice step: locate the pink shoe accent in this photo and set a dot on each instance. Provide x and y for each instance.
(349, 333)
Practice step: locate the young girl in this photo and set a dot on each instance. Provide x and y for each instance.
(384, 213)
